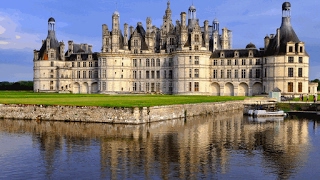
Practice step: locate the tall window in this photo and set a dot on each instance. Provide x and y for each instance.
(147, 87)
(215, 62)
(299, 86)
(134, 88)
(250, 61)
(78, 74)
(103, 63)
(170, 74)
(222, 62)
(243, 62)
(147, 75)
(215, 74)
(228, 73)
(229, 62)
(134, 62)
(135, 43)
(290, 49)
(158, 62)
(134, 74)
(250, 73)
(196, 38)
(152, 74)
(300, 72)
(300, 60)
(290, 59)
(290, 86)
(190, 73)
(170, 62)
(222, 74)
(290, 72)
(103, 73)
(84, 64)
(243, 73)
(196, 73)
(158, 74)
(152, 62)
(236, 62)
(190, 86)
(90, 74)
(236, 73)
(196, 47)
(196, 60)
(258, 73)
(196, 86)
(258, 62)
(147, 62)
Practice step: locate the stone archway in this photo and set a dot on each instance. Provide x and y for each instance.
(85, 88)
(228, 89)
(256, 88)
(76, 88)
(243, 89)
(215, 89)
(94, 87)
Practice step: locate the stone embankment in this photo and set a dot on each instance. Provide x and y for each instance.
(114, 115)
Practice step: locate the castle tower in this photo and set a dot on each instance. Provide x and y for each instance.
(216, 45)
(192, 17)
(115, 31)
(125, 43)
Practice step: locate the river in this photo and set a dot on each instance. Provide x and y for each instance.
(219, 146)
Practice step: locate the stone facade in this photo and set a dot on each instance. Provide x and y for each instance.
(185, 58)
(114, 115)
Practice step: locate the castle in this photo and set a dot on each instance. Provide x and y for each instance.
(186, 58)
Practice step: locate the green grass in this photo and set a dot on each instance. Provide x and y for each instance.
(23, 97)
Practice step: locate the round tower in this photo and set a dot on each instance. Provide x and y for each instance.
(286, 9)
(51, 23)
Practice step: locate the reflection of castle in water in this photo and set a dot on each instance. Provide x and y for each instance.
(198, 146)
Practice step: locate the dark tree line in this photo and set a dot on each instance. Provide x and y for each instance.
(16, 86)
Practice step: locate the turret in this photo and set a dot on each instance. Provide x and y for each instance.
(125, 39)
(206, 34)
(115, 31)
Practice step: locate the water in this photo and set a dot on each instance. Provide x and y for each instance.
(222, 146)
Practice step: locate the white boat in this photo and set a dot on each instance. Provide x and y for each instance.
(263, 113)
(265, 119)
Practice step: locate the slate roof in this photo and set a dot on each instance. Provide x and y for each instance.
(142, 34)
(243, 53)
(287, 34)
(54, 44)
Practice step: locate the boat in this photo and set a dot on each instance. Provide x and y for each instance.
(265, 113)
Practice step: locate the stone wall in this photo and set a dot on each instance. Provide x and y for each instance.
(114, 115)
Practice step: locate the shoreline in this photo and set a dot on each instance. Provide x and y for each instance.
(97, 114)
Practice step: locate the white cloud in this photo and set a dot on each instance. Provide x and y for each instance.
(3, 42)
(2, 30)
(11, 33)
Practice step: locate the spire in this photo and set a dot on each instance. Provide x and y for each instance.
(168, 10)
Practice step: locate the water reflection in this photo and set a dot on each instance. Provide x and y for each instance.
(204, 146)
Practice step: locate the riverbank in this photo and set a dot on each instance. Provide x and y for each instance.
(130, 115)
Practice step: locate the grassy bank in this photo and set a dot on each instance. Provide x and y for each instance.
(14, 97)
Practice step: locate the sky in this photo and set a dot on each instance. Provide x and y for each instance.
(24, 24)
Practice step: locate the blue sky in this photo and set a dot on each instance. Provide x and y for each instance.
(23, 24)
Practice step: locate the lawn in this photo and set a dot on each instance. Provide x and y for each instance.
(17, 97)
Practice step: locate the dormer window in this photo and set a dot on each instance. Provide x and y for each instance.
(221, 54)
(301, 49)
(90, 57)
(290, 49)
(78, 57)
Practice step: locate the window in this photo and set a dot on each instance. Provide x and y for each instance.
(171, 41)
(134, 62)
(152, 75)
(258, 62)
(290, 72)
(96, 64)
(222, 74)
(196, 86)
(258, 73)
(190, 73)
(84, 73)
(299, 86)
(265, 72)
(290, 49)
(228, 73)
(250, 61)
(104, 86)
(196, 48)
(52, 55)
(52, 63)
(134, 88)
(158, 74)
(290, 59)
(300, 72)
(236, 73)
(157, 87)
(90, 64)
(301, 49)
(165, 74)
(158, 62)
(147, 75)
(72, 64)
(170, 74)
(196, 38)
(222, 62)
(78, 74)
(135, 51)
(243, 62)
(90, 73)
(147, 87)
(134, 74)
(152, 62)
(300, 60)
(196, 73)
(135, 43)
(196, 60)
(229, 62)
(170, 62)
(147, 63)
(236, 62)
(215, 62)
(290, 86)
(243, 73)
(190, 59)
(215, 74)
(95, 75)
(190, 86)
(250, 73)
(139, 74)
(78, 64)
